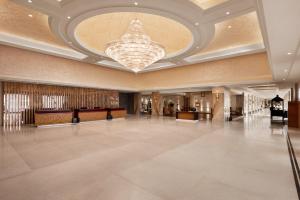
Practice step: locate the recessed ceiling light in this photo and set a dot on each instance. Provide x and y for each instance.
(286, 70)
(197, 24)
(197, 47)
(58, 0)
(227, 13)
(289, 53)
(69, 17)
(229, 27)
(30, 15)
(136, 3)
(29, 1)
(283, 79)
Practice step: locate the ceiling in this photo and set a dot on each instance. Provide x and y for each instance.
(282, 30)
(111, 26)
(205, 4)
(191, 31)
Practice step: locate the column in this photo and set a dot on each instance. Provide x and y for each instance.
(137, 103)
(294, 109)
(218, 104)
(296, 92)
(1, 104)
(155, 103)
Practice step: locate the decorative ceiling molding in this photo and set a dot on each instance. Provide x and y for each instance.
(202, 33)
(228, 53)
(65, 16)
(41, 47)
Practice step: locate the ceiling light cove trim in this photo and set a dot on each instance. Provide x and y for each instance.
(158, 66)
(33, 45)
(153, 67)
(228, 53)
(112, 64)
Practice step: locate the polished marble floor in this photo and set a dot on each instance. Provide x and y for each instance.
(147, 159)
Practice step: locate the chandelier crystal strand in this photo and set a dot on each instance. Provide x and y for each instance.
(135, 50)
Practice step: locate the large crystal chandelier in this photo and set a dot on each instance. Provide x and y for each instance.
(135, 50)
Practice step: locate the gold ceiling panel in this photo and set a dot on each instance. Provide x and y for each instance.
(97, 31)
(15, 20)
(205, 4)
(237, 32)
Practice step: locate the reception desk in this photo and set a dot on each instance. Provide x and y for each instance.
(91, 114)
(191, 116)
(118, 112)
(47, 117)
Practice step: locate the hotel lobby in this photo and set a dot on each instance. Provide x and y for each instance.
(149, 99)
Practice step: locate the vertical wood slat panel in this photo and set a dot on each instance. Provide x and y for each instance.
(21, 100)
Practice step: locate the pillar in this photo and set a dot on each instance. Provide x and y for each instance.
(137, 103)
(1, 104)
(292, 94)
(218, 104)
(296, 92)
(294, 109)
(156, 103)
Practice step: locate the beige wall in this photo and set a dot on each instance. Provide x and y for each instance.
(228, 71)
(23, 65)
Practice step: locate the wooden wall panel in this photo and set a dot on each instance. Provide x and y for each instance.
(21, 100)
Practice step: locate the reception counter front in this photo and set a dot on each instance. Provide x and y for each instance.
(47, 117)
(117, 112)
(191, 116)
(91, 114)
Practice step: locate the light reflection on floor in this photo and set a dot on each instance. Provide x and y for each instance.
(151, 159)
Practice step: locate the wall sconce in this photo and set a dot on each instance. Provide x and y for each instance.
(217, 96)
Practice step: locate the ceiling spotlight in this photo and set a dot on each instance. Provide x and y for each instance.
(197, 47)
(227, 13)
(286, 70)
(29, 1)
(58, 0)
(229, 27)
(289, 53)
(283, 79)
(197, 24)
(69, 17)
(30, 15)
(136, 3)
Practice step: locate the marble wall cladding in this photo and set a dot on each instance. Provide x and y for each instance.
(229, 71)
(21, 100)
(137, 103)
(156, 103)
(166, 100)
(27, 66)
(218, 107)
(23, 65)
(202, 101)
